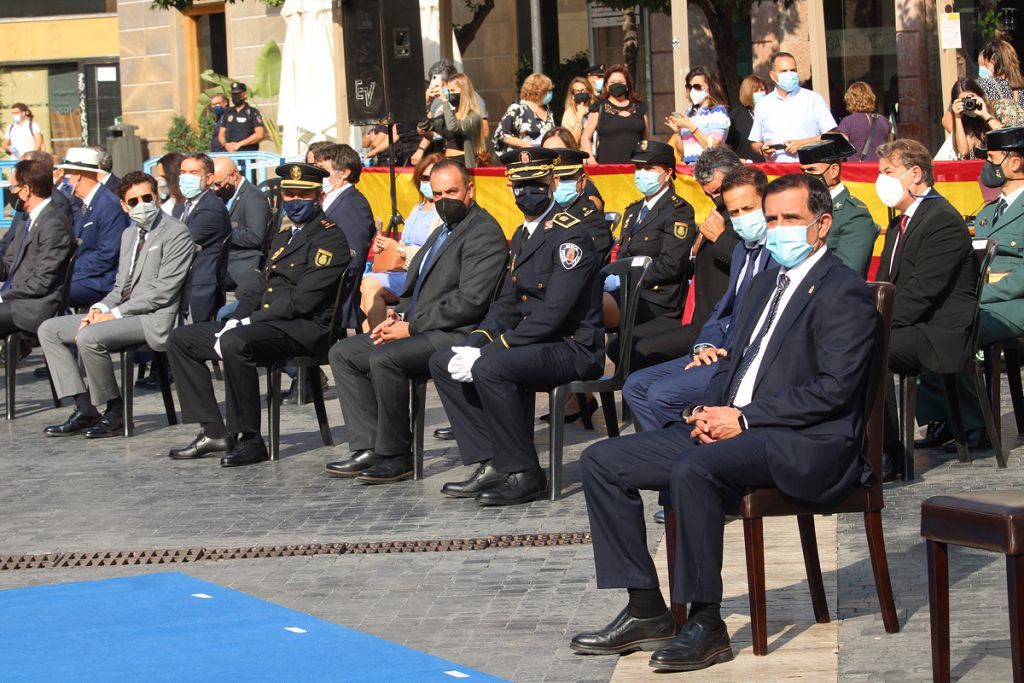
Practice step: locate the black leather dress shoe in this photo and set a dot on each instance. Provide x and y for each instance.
(246, 452)
(356, 463)
(696, 647)
(626, 634)
(977, 439)
(444, 434)
(111, 424)
(42, 372)
(388, 470)
(485, 477)
(935, 435)
(518, 487)
(75, 424)
(200, 446)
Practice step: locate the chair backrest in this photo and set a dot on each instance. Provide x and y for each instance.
(69, 274)
(271, 189)
(346, 283)
(631, 272)
(985, 250)
(884, 294)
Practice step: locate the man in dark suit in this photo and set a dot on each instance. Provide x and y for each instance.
(98, 227)
(290, 316)
(451, 279)
(929, 258)
(208, 220)
(32, 269)
(347, 207)
(784, 409)
(658, 394)
(58, 199)
(249, 211)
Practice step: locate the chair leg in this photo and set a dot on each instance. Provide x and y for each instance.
(678, 608)
(163, 379)
(419, 410)
(1015, 592)
(880, 568)
(301, 378)
(953, 417)
(11, 348)
(993, 375)
(812, 565)
(274, 410)
(217, 374)
(987, 409)
(1016, 390)
(938, 607)
(581, 403)
(611, 420)
(317, 390)
(753, 539)
(908, 396)
(128, 390)
(556, 439)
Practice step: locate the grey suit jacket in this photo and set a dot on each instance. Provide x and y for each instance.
(37, 276)
(158, 279)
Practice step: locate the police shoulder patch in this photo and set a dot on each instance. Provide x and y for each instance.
(323, 258)
(679, 229)
(570, 255)
(565, 220)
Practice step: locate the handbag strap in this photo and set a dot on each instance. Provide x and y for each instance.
(871, 134)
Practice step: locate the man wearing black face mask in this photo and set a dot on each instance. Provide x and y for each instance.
(543, 330)
(290, 316)
(241, 126)
(218, 104)
(249, 211)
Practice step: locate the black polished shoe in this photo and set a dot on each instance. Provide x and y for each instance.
(246, 452)
(444, 434)
(111, 424)
(356, 463)
(388, 470)
(75, 424)
(977, 439)
(626, 634)
(483, 478)
(42, 372)
(936, 434)
(518, 487)
(200, 446)
(572, 417)
(696, 647)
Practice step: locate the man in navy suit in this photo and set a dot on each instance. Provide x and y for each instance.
(784, 409)
(98, 226)
(348, 208)
(658, 394)
(210, 224)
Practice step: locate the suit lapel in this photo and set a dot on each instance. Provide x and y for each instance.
(755, 301)
(454, 236)
(534, 241)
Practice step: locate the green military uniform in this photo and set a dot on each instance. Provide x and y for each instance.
(853, 232)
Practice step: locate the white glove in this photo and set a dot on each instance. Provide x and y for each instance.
(231, 324)
(611, 283)
(464, 372)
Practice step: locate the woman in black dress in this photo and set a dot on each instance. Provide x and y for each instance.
(752, 89)
(618, 118)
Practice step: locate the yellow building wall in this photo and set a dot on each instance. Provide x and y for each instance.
(55, 39)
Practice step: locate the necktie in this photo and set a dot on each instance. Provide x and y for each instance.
(425, 267)
(640, 218)
(22, 245)
(1000, 208)
(188, 210)
(755, 344)
(140, 242)
(904, 221)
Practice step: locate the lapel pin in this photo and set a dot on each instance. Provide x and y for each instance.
(811, 290)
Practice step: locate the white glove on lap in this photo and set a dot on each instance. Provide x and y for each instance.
(231, 324)
(460, 367)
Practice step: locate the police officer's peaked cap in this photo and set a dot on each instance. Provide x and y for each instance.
(1006, 139)
(238, 87)
(653, 152)
(301, 176)
(569, 161)
(528, 163)
(832, 148)
(596, 70)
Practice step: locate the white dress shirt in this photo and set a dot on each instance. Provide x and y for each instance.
(1012, 197)
(802, 114)
(796, 275)
(836, 190)
(334, 194)
(651, 201)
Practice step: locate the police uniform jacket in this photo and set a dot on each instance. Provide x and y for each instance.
(301, 281)
(1004, 292)
(551, 293)
(853, 232)
(585, 211)
(240, 124)
(666, 235)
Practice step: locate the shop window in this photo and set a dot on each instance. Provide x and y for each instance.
(861, 46)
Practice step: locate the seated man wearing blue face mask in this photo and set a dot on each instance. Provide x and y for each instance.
(571, 197)
(785, 408)
(658, 394)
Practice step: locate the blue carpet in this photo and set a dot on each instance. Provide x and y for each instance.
(174, 627)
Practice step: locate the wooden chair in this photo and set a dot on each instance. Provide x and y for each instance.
(1010, 351)
(769, 502)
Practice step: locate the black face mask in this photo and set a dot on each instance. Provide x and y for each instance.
(581, 98)
(992, 175)
(454, 99)
(451, 211)
(617, 90)
(238, 100)
(15, 202)
(818, 176)
(225, 192)
(532, 199)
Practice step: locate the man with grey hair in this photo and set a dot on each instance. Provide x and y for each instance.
(106, 174)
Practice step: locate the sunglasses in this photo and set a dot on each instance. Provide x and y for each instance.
(425, 177)
(134, 201)
(695, 86)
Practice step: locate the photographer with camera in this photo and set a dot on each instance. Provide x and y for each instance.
(970, 119)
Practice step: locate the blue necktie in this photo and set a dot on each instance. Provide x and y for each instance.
(751, 351)
(21, 252)
(425, 267)
(640, 218)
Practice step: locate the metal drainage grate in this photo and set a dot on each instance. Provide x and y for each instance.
(121, 558)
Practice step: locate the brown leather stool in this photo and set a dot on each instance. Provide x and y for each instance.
(986, 520)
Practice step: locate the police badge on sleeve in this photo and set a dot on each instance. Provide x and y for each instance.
(570, 255)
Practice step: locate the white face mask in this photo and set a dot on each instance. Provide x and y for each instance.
(698, 97)
(889, 188)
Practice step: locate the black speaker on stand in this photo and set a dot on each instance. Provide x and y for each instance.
(384, 70)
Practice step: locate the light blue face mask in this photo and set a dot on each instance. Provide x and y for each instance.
(750, 226)
(599, 85)
(425, 189)
(983, 72)
(647, 181)
(566, 192)
(789, 81)
(327, 185)
(788, 244)
(758, 96)
(547, 98)
(189, 185)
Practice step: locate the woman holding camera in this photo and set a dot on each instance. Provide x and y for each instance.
(971, 119)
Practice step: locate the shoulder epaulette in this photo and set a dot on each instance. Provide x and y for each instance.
(587, 211)
(632, 204)
(328, 224)
(565, 220)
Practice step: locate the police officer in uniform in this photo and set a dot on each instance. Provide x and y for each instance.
(571, 196)
(242, 124)
(544, 329)
(853, 233)
(290, 315)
